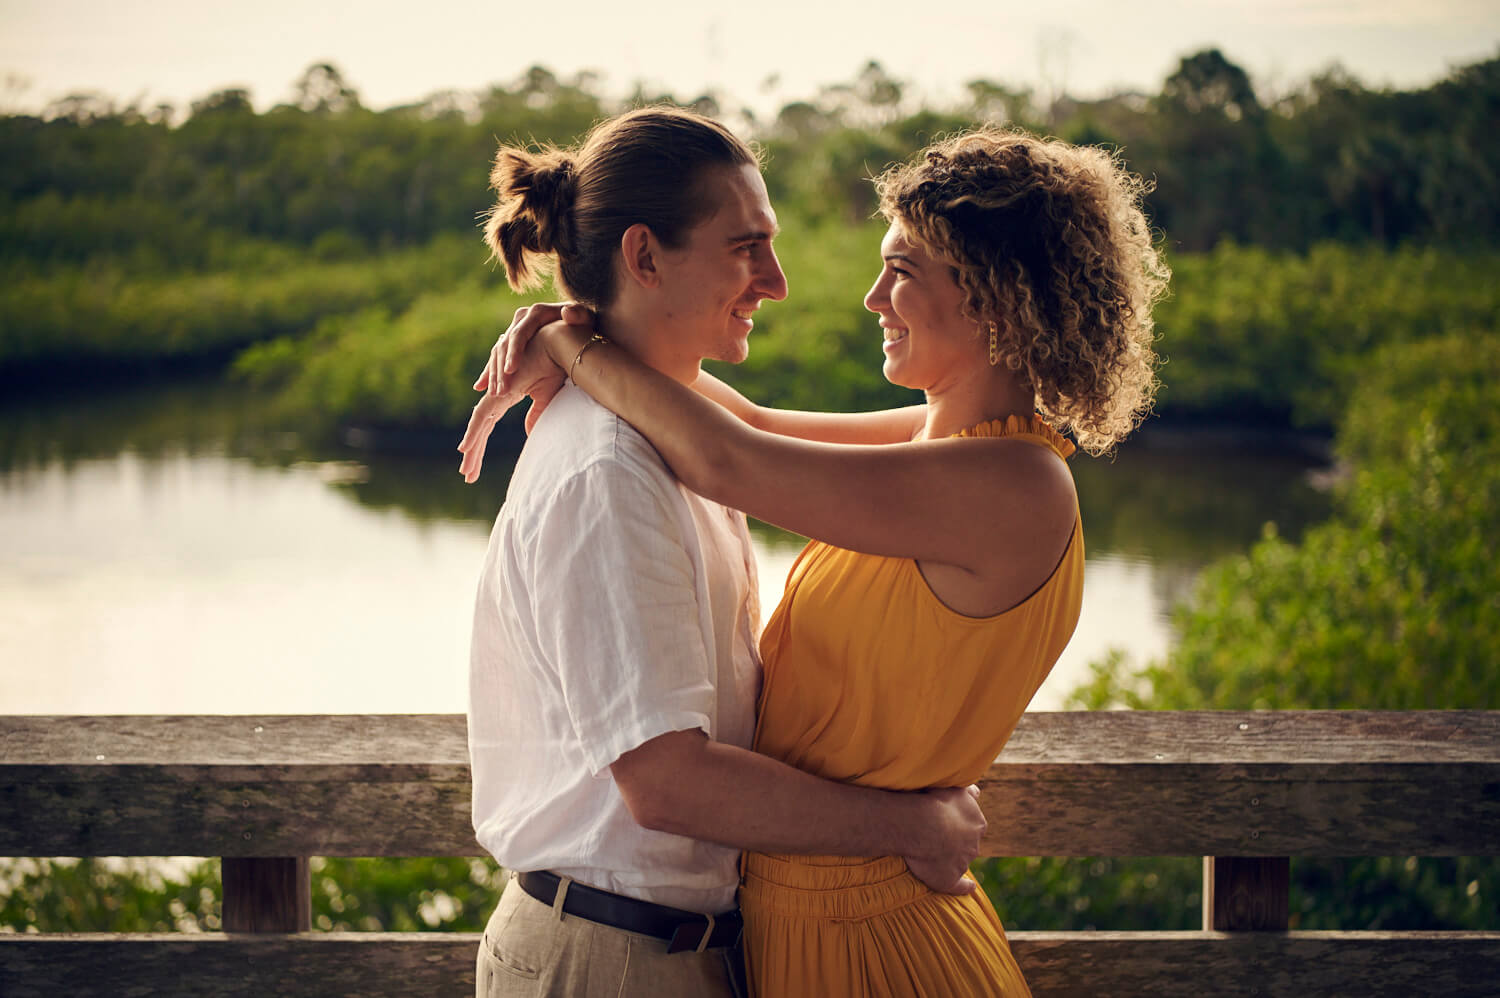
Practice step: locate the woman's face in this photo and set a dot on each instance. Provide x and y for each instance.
(928, 343)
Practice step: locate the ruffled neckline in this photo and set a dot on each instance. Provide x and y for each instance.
(1012, 426)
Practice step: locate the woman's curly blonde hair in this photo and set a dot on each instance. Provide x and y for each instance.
(1048, 241)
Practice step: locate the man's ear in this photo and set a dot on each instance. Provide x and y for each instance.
(641, 254)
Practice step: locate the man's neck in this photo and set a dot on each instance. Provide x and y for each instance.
(651, 342)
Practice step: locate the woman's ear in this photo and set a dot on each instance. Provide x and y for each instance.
(640, 253)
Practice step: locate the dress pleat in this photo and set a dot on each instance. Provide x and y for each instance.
(869, 928)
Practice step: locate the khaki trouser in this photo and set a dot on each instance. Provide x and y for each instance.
(529, 951)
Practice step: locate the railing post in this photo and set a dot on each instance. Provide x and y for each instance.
(267, 894)
(1246, 893)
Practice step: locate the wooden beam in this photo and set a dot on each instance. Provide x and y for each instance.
(267, 895)
(236, 786)
(1246, 893)
(1056, 964)
(1236, 783)
(1258, 964)
(275, 813)
(1209, 783)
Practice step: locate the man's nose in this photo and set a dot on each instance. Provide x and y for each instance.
(770, 281)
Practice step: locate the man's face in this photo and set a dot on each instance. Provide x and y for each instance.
(715, 281)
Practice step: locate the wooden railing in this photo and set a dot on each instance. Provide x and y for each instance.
(1246, 790)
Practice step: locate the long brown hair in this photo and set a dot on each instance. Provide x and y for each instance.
(1048, 241)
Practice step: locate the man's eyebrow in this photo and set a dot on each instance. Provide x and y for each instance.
(888, 257)
(756, 235)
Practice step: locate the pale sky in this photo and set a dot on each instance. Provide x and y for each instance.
(395, 53)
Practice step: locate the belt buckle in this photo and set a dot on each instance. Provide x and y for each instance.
(682, 938)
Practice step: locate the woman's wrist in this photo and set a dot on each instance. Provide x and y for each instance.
(562, 341)
(592, 341)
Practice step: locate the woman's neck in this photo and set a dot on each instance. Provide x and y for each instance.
(995, 394)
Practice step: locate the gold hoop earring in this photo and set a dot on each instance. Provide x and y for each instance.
(994, 344)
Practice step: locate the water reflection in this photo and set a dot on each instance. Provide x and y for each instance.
(182, 549)
(1177, 500)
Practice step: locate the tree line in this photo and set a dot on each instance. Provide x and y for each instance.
(1331, 160)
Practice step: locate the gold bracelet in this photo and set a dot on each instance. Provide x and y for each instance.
(596, 338)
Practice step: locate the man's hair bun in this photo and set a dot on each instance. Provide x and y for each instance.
(533, 214)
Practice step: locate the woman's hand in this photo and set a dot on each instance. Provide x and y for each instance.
(507, 353)
(518, 367)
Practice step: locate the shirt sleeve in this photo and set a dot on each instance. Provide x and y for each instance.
(618, 612)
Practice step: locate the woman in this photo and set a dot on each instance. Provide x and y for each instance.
(945, 577)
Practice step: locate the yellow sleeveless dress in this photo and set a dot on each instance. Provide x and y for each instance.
(872, 680)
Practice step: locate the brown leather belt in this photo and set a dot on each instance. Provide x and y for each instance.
(681, 930)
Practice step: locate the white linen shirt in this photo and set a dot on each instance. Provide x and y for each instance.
(614, 606)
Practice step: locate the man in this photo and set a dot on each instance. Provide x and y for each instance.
(614, 670)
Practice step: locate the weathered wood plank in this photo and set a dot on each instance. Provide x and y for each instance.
(1092, 810)
(1307, 783)
(1316, 783)
(1056, 964)
(306, 965)
(1246, 893)
(215, 746)
(391, 741)
(1301, 737)
(265, 818)
(1259, 964)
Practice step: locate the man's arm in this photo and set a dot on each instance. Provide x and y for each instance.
(686, 784)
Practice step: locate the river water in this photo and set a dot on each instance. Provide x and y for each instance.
(176, 549)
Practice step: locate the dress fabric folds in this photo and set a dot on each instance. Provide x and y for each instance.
(871, 679)
(869, 928)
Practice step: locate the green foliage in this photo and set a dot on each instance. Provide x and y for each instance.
(393, 178)
(1392, 604)
(1247, 335)
(1331, 160)
(108, 895)
(1060, 894)
(1252, 332)
(142, 895)
(103, 311)
(1396, 893)
(124, 237)
(379, 367)
(453, 894)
